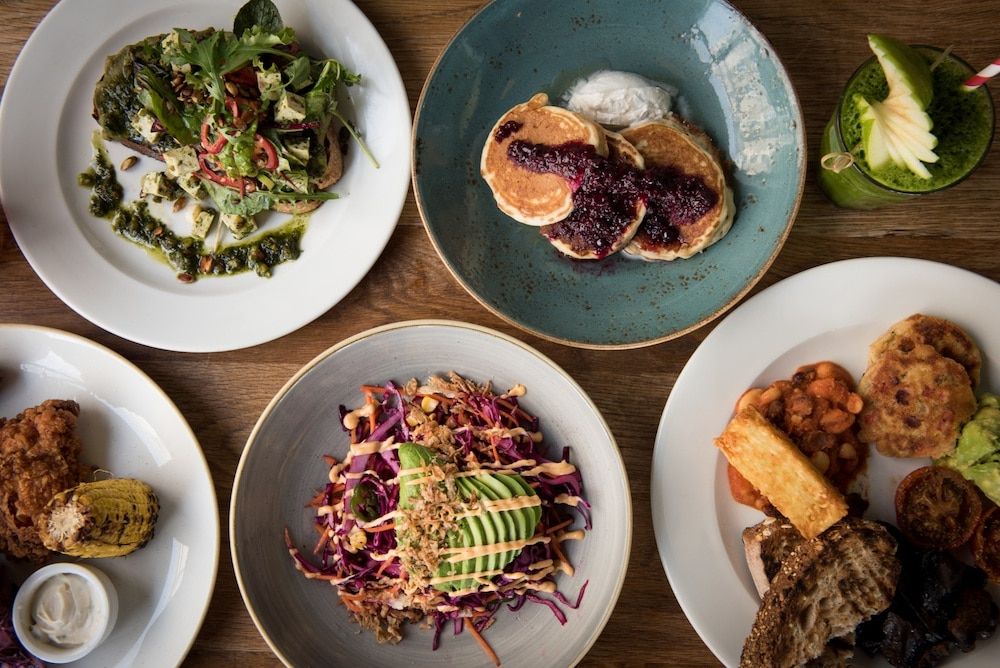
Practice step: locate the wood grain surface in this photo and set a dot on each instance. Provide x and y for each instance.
(820, 43)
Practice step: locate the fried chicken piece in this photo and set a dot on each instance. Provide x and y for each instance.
(39, 457)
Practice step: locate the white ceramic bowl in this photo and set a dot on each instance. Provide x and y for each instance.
(302, 620)
(105, 599)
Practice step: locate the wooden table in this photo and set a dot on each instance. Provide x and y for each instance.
(820, 44)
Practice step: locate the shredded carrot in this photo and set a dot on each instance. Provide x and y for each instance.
(559, 552)
(373, 389)
(350, 605)
(323, 540)
(561, 525)
(330, 460)
(385, 565)
(373, 418)
(496, 455)
(352, 597)
(317, 500)
(482, 643)
(388, 526)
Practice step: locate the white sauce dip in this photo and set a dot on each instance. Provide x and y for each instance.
(62, 611)
(620, 99)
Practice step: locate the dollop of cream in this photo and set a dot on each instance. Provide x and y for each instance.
(63, 612)
(619, 99)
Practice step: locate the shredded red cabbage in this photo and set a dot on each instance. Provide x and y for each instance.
(372, 477)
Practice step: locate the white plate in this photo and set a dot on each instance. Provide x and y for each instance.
(831, 312)
(130, 427)
(302, 620)
(45, 134)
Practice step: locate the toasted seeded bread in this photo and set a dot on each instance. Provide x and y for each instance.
(530, 197)
(767, 545)
(672, 142)
(826, 587)
(773, 465)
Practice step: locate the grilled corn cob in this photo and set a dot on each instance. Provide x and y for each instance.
(107, 518)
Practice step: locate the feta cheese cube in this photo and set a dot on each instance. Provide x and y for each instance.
(298, 149)
(180, 161)
(291, 108)
(156, 184)
(171, 43)
(269, 84)
(202, 220)
(191, 184)
(240, 226)
(143, 124)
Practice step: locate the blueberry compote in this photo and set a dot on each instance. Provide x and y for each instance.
(607, 191)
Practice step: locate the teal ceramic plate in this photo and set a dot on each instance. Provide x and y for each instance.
(731, 84)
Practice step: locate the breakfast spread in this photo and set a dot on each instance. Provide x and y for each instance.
(829, 580)
(656, 189)
(245, 119)
(444, 510)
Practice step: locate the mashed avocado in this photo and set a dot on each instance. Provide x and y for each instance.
(977, 456)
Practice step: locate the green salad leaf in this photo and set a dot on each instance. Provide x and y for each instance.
(237, 153)
(156, 95)
(260, 13)
(221, 53)
(229, 201)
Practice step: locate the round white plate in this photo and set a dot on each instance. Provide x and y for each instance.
(831, 312)
(302, 620)
(45, 141)
(130, 427)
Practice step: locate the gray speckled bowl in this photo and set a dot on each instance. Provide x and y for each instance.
(731, 84)
(302, 620)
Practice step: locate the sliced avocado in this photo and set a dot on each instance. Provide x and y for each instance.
(504, 525)
(483, 531)
(461, 539)
(514, 481)
(411, 456)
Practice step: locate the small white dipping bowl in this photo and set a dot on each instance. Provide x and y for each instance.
(104, 597)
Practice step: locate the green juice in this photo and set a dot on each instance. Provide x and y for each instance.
(962, 122)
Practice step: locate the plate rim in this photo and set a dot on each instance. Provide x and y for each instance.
(660, 469)
(198, 453)
(181, 341)
(407, 324)
(801, 166)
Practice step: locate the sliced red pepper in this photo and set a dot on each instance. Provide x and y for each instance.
(222, 179)
(232, 106)
(272, 154)
(211, 147)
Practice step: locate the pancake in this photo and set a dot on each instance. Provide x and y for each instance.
(526, 196)
(698, 207)
(595, 228)
(943, 335)
(915, 402)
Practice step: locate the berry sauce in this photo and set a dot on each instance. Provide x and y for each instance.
(607, 191)
(506, 130)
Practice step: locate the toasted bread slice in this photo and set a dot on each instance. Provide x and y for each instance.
(673, 143)
(771, 463)
(583, 240)
(767, 545)
(531, 197)
(825, 588)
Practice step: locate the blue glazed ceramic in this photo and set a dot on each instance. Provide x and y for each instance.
(731, 84)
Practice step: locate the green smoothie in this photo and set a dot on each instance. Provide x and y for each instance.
(962, 122)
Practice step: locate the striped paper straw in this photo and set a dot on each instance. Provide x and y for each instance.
(983, 76)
